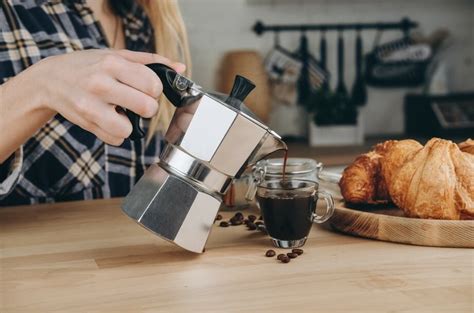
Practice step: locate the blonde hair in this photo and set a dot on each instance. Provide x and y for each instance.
(171, 41)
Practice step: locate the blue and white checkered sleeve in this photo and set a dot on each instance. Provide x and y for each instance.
(10, 172)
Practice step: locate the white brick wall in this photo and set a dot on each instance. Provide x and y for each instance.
(217, 26)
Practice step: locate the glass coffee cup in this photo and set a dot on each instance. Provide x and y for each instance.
(289, 208)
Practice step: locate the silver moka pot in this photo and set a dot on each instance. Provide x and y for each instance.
(211, 140)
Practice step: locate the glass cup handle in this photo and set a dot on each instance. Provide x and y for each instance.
(257, 177)
(329, 207)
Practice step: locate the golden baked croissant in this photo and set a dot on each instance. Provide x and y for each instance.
(399, 152)
(362, 182)
(435, 182)
(467, 146)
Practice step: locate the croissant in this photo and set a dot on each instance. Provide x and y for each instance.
(435, 182)
(362, 182)
(396, 157)
(467, 146)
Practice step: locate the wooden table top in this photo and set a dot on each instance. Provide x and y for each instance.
(89, 257)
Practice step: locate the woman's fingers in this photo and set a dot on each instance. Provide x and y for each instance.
(143, 57)
(112, 121)
(139, 77)
(91, 114)
(98, 130)
(148, 58)
(179, 67)
(107, 137)
(129, 98)
(128, 68)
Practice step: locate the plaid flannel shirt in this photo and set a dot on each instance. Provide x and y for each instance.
(61, 161)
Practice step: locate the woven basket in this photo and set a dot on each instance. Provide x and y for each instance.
(247, 63)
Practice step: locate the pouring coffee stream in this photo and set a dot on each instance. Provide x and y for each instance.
(285, 160)
(211, 140)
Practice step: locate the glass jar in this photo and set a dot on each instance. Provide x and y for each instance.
(243, 189)
(300, 168)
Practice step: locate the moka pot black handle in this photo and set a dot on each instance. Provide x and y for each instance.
(167, 76)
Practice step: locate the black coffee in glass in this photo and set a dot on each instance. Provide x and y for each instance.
(289, 209)
(287, 217)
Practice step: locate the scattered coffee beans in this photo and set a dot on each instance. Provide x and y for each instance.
(292, 255)
(297, 251)
(224, 224)
(254, 223)
(270, 253)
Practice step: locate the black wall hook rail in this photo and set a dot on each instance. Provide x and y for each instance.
(405, 25)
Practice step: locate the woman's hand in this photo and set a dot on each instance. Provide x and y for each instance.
(86, 86)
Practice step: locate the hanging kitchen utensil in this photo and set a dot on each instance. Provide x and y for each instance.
(344, 111)
(359, 89)
(323, 57)
(323, 99)
(318, 75)
(312, 78)
(398, 63)
(282, 65)
(341, 89)
(304, 88)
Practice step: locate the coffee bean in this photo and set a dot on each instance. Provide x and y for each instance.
(297, 251)
(270, 253)
(262, 229)
(224, 224)
(285, 259)
(292, 255)
(236, 222)
(251, 226)
(260, 217)
(239, 216)
(258, 223)
(280, 256)
(252, 218)
(218, 217)
(246, 221)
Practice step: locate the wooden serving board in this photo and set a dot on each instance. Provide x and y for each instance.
(389, 224)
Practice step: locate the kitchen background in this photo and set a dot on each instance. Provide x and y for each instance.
(217, 27)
